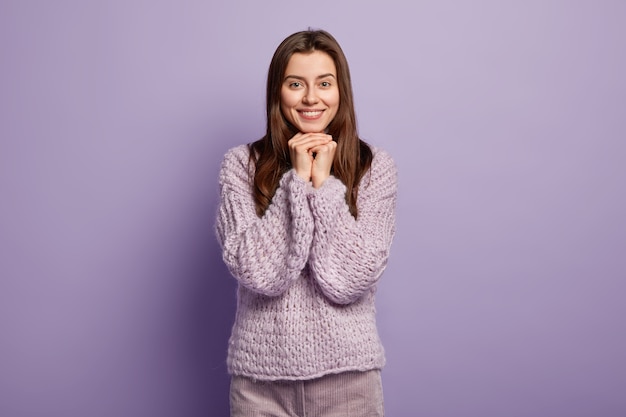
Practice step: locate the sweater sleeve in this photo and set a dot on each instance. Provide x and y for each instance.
(348, 255)
(265, 254)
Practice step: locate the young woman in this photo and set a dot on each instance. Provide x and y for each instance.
(306, 220)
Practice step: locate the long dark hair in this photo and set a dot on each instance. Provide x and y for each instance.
(270, 154)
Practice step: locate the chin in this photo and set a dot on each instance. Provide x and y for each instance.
(314, 129)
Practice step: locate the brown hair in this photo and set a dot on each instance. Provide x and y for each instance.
(270, 154)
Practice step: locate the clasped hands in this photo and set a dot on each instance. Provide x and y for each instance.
(312, 156)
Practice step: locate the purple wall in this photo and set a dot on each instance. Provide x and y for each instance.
(504, 294)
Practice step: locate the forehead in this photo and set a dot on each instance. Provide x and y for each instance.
(311, 64)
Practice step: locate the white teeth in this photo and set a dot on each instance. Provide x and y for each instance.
(311, 113)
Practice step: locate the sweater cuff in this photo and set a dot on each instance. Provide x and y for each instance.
(301, 216)
(326, 201)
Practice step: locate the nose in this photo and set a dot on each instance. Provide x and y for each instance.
(310, 97)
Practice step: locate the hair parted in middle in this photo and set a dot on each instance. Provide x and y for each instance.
(270, 154)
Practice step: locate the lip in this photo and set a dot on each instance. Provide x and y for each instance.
(310, 114)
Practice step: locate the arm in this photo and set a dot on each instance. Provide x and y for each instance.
(265, 254)
(348, 256)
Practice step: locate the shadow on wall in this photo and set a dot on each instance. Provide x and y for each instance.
(214, 289)
(219, 314)
(211, 312)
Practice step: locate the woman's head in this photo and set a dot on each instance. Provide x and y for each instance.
(316, 60)
(309, 96)
(287, 101)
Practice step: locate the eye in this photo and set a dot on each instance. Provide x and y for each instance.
(295, 84)
(325, 84)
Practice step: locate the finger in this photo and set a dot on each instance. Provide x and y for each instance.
(301, 137)
(295, 139)
(328, 147)
(309, 142)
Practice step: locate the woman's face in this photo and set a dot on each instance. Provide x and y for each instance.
(309, 96)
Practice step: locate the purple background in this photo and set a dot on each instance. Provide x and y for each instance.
(504, 295)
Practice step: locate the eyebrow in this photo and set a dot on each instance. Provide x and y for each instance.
(297, 77)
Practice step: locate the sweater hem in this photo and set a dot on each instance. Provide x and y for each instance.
(320, 374)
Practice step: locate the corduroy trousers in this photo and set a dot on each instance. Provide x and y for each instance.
(348, 394)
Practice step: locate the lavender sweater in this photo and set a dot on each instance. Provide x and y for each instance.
(307, 271)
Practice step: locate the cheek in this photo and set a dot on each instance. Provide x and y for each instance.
(284, 105)
(335, 103)
(287, 99)
(335, 100)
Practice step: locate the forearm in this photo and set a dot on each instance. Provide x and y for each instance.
(348, 255)
(266, 254)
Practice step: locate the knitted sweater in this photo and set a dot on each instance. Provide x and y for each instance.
(307, 270)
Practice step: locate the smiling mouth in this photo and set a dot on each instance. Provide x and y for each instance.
(314, 114)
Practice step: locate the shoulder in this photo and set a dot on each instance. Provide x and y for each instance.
(381, 156)
(383, 163)
(237, 157)
(236, 163)
(238, 153)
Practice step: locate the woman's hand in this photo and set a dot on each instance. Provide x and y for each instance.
(312, 156)
(323, 163)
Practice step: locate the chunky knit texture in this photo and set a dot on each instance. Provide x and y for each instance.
(307, 271)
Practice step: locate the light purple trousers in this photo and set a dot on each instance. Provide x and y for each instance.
(349, 394)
